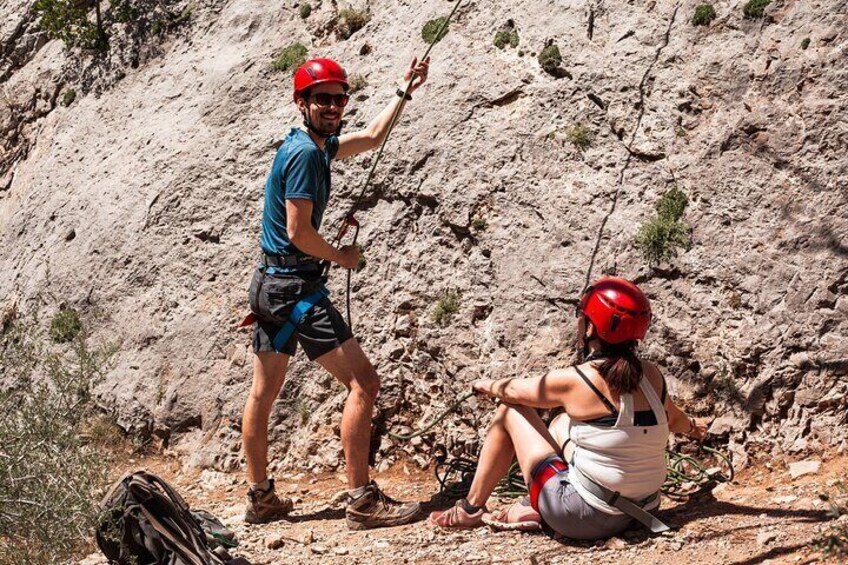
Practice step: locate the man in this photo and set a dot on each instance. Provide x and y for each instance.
(296, 194)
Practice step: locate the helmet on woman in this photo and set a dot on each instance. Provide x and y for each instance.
(617, 308)
(318, 71)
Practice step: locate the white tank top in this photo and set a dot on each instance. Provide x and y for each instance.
(626, 458)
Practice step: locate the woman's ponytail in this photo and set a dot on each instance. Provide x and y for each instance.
(621, 369)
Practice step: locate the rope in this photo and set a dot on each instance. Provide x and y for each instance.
(444, 414)
(685, 474)
(348, 220)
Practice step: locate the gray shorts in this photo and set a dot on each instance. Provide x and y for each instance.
(272, 298)
(564, 511)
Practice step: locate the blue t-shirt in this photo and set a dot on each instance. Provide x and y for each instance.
(300, 170)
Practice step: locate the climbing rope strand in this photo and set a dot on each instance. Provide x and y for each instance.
(396, 114)
(348, 219)
(444, 414)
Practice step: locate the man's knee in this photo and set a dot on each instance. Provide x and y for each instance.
(367, 382)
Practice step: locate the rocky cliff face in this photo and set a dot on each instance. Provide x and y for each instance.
(139, 205)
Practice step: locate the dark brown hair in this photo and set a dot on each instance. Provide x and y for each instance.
(621, 369)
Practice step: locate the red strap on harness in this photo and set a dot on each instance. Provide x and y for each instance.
(248, 320)
(550, 470)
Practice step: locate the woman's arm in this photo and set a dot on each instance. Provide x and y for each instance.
(681, 423)
(538, 392)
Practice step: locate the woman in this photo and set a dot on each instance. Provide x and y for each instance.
(617, 419)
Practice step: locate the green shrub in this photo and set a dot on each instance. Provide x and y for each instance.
(362, 261)
(479, 224)
(805, 43)
(550, 59)
(834, 542)
(65, 326)
(357, 83)
(350, 21)
(71, 22)
(446, 306)
(754, 8)
(506, 37)
(305, 10)
(680, 131)
(56, 450)
(580, 136)
(290, 58)
(68, 97)
(660, 237)
(672, 204)
(704, 14)
(431, 28)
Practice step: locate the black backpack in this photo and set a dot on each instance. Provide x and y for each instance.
(143, 521)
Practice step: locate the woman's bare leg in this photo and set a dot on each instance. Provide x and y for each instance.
(515, 430)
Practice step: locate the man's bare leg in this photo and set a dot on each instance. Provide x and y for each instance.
(269, 373)
(349, 365)
(367, 506)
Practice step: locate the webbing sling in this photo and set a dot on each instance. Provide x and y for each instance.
(298, 312)
(626, 505)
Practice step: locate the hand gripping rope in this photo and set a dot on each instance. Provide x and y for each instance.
(349, 220)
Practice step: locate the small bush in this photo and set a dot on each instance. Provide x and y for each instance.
(431, 28)
(505, 37)
(660, 237)
(754, 8)
(680, 131)
(479, 224)
(65, 326)
(68, 97)
(305, 10)
(290, 58)
(704, 14)
(834, 543)
(446, 306)
(357, 83)
(350, 21)
(550, 59)
(805, 43)
(54, 447)
(362, 261)
(672, 204)
(70, 21)
(580, 136)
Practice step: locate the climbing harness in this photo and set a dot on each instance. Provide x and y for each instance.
(349, 220)
(298, 313)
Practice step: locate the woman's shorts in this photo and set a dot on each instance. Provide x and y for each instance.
(564, 510)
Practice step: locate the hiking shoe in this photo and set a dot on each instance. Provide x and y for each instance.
(265, 506)
(518, 517)
(373, 509)
(457, 517)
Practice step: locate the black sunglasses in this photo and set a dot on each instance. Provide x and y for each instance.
(325, 99)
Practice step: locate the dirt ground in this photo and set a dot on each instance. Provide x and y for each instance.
(763, 516)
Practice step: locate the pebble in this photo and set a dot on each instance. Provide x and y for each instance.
(784, 499)
(765, 538)
(801, 468)
(341, 550)
(318, 549)
(615, 544)
(274, 542)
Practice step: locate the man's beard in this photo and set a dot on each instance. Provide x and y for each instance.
(326, 128)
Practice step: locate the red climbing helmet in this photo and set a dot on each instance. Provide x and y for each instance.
(618, 309)
(318, 71)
